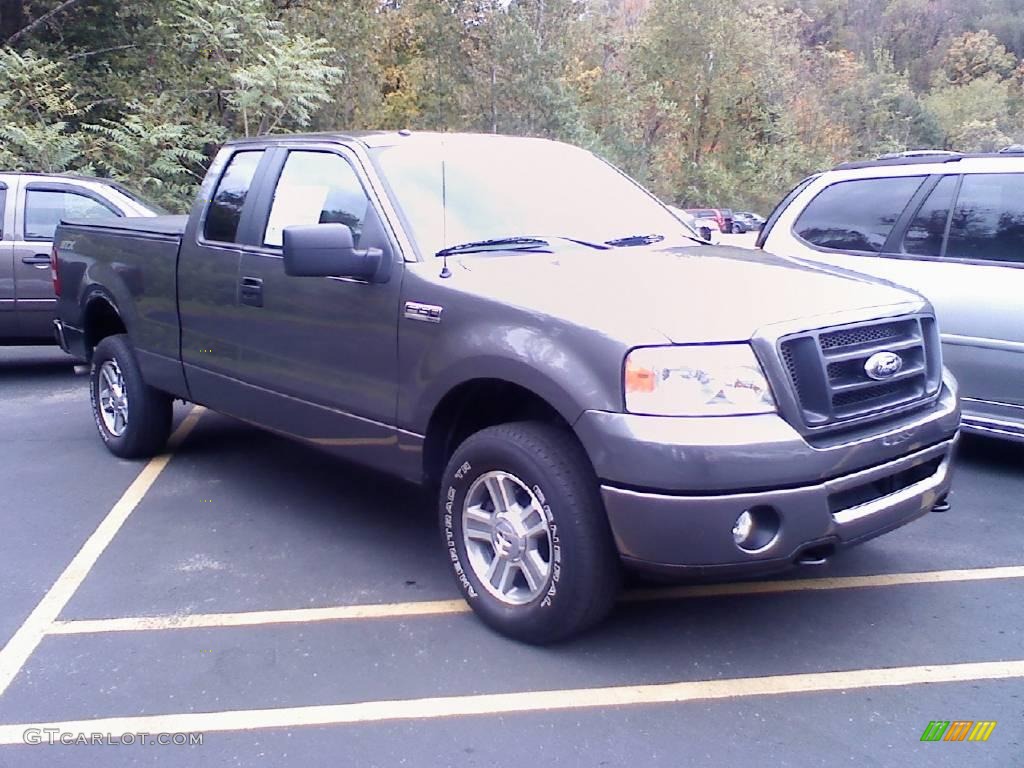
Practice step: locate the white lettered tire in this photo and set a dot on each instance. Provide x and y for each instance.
(133, 419)
(526, 533)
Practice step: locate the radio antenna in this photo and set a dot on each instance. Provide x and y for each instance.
(445, 272)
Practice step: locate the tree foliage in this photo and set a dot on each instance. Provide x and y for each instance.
(704, 101)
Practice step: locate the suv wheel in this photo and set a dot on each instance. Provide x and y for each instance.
(133, 419)
(526, 532)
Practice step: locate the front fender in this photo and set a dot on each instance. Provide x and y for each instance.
(571, 372)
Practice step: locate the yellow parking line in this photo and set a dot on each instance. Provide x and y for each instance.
(527, 701)
(250, 618)
(27, 638)
(441, 607)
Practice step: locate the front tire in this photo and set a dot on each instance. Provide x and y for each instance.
(526, 532)
(133, 419)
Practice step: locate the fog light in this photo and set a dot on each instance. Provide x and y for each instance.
(743, 528)
(756, 528)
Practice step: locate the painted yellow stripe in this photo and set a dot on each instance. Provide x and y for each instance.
(442, 607)
(527, 701)
(27, 638)
(251, 618)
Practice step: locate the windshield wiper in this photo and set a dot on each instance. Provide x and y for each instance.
(517, 243)
(635, 240)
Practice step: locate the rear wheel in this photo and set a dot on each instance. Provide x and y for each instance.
(737, 229)
(133, 419)
(526, 532)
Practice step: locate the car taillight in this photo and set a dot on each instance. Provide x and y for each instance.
(54, 275)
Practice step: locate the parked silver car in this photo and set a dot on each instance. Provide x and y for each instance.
(31, 206)
(950, 226)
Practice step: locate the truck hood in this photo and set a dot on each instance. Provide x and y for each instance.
(686, 294)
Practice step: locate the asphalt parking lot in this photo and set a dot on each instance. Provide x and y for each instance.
(307, 605)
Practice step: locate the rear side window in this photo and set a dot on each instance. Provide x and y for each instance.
(988, 221)
(925, 234)
(856, 215)
(3, 204)
(44, 210)
(226, 209)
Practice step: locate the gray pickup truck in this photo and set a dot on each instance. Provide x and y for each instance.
(520, 327)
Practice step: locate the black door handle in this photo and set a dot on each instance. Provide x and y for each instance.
(252, 291)
(38, 259)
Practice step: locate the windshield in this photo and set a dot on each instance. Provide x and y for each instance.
(498, 187)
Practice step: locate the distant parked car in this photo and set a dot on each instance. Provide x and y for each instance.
(31, 207)
(947, 225)
(745, 221)
(722, 216)
(706, 228)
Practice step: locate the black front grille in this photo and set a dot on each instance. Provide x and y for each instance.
(861, 335)
(828, 368)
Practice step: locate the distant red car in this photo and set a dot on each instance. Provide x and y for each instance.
(721, 215)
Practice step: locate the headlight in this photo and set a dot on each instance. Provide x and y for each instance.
(718, 380)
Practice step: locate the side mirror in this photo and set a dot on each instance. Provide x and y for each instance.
(326, 250)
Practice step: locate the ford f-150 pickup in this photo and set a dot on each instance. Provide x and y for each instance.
(517, 325)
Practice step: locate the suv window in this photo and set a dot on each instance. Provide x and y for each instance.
(988, 221)
(226, 209)
(856, 215)
(44, 210)
(316, 188)
(926, 232)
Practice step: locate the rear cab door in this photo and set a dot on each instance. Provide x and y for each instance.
(208, 291)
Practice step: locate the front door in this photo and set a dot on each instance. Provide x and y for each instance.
(321, 352)
(44, 205)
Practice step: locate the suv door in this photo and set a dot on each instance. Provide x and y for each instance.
(43, 204)
(977, 285)
(8, 317)
(321, 352)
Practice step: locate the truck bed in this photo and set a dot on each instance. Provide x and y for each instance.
(130, 264)
(149, 225)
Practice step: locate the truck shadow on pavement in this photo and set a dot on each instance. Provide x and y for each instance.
(34, 365)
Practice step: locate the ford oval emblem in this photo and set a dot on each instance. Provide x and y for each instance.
(883, 365)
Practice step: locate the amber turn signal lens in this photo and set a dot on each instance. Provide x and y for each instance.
(638, 379)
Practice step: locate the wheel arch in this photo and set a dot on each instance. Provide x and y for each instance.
(100, 319)
(476, 404)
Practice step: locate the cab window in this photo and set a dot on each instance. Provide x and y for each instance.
(226, 208)
(316, 188)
